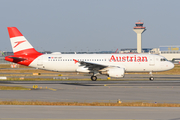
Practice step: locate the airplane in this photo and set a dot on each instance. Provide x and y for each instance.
(112, 65)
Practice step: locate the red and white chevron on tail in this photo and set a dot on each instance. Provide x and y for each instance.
(24, 53)
(19, 43)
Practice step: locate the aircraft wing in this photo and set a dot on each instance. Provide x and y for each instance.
(92, 66)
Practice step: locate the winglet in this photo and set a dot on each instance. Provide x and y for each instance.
(75, 61)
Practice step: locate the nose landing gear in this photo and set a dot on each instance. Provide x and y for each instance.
(151, 78)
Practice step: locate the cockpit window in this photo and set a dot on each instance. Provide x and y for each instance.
(164, 59)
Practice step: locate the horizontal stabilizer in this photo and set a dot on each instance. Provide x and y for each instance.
(17, 58)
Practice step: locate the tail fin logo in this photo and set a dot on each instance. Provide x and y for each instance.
(18, 42)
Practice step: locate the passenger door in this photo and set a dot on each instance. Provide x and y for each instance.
(151, 60)
(40, 62)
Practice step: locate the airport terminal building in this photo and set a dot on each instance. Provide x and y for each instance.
(172, 53)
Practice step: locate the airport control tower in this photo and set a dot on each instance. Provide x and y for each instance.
(139, 29)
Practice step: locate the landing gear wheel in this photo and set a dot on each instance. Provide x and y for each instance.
(93, 78)
(151, 78)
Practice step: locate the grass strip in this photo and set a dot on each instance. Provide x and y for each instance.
(13, 88)
(131, 104)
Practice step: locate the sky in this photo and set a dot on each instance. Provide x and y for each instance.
(90, 25)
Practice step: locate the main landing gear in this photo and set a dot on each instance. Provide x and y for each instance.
(93, 78)
(151, 78)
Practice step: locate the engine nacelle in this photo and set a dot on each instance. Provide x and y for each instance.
(82, 69)
(116, 72)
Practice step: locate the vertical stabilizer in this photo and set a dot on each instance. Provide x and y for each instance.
(19, 43)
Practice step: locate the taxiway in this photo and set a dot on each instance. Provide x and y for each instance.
(163, 90)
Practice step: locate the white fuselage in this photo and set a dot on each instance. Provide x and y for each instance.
(130, 62)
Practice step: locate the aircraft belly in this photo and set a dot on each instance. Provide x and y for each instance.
(138, 67)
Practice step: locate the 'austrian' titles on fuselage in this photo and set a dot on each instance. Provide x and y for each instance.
(128, 58)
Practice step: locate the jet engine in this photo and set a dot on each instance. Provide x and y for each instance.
(82, 69)
(115, 72)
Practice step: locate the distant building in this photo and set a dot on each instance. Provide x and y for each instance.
(154, 51)
(134, 50)
(171, 53)
(2, 56)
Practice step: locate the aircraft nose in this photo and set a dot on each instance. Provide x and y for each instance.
(171, 65)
